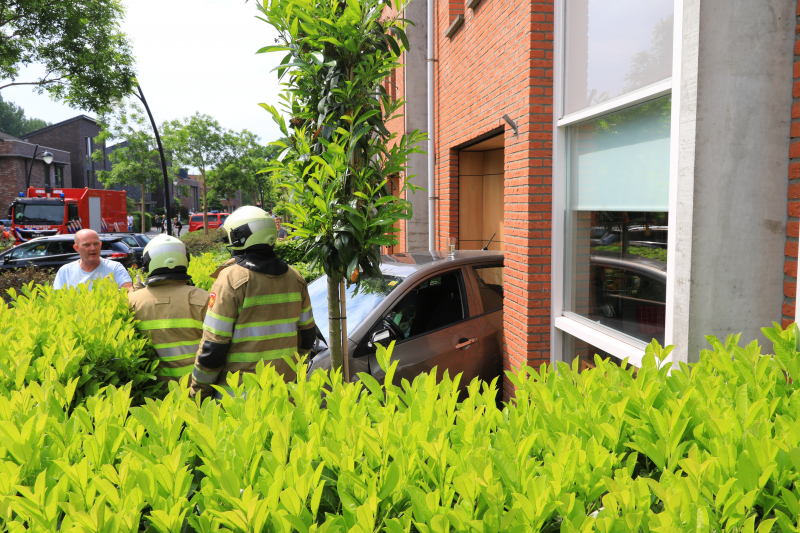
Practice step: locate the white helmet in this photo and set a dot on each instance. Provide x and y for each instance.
(248, 226)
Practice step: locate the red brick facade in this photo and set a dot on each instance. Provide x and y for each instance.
(790, 263)
(15, 157)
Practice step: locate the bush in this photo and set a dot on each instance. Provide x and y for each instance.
(712, 447)
(18, 278)
(290, 252)
(137, 221)
(197, 243)
(305, 270)
(83, 340)
(201, 267)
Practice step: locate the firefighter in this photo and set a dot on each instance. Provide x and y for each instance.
(259, 308)
(169, 308)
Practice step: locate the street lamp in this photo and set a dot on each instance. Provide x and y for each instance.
(47, 157)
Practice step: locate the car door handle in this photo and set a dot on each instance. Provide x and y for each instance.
(463, 343)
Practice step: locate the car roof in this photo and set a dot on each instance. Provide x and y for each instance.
(405, 264)
(103, 237)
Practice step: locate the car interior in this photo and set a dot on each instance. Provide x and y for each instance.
(490, 287)
(435, 303)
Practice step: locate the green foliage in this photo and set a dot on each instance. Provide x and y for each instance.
(291, 251)
(202, 266)
(16, 279)
(137, 221)
(197, 243)
(339, 154)
(14, 122)
(76, 338)
(308, 271)
(708, 447)
(659, 254)
(87, 59)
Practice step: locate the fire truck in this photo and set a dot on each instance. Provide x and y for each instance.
(55, 211)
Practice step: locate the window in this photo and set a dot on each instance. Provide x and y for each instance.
(435, 303)
(58, 175)
(197, 218)
(613, 47)
(61, 248)
(72, 212)
(490, 287)
(612, 175)
(29, 251)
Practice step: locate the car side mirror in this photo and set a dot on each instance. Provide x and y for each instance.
(6, 259)
(382, 336)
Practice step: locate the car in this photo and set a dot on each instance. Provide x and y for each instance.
(441, 312)
(215, 220)
(56, 251)
(137, 242)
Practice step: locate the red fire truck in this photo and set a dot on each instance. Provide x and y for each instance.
(54, 211)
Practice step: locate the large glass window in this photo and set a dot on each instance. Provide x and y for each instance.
(617, 206)
(614, 47)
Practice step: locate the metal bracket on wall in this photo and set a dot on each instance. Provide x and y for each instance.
(511, 123)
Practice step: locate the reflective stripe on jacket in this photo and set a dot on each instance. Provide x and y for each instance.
(171, 313)
(251, 317)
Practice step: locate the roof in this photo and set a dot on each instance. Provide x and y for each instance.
(46, 128)
(7, 137)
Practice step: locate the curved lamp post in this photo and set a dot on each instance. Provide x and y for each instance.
(47, 157)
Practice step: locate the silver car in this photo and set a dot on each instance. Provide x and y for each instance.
(444, 313)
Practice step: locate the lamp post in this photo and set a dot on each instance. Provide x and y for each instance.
(175, 199)
(140, 96)
(47, 157)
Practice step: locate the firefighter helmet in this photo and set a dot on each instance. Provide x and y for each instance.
(248, 226)
(164, 252)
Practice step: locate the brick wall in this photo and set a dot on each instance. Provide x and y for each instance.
(790, 262)
(501, 62)
(14, 161)
(69, 136)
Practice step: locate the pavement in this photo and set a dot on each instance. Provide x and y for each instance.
(155, 231)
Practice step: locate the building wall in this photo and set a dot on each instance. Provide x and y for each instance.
(14, 160)
(790, 260)
(69, 136)
(500, 61)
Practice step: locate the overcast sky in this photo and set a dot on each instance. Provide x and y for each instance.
(192, 55)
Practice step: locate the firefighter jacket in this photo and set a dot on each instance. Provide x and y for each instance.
(252, 316)
(171, 313)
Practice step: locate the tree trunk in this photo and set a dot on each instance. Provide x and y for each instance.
(343, 304)
(205, 204)
(143, 217)
(334, 325)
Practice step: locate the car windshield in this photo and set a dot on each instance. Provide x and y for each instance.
(38, 214)
(371, 293)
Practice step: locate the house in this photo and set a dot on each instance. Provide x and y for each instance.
(16, 158)
(632, 159)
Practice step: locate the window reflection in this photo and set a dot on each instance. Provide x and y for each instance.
(614, 47)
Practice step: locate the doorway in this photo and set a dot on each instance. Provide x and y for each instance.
(481, 189)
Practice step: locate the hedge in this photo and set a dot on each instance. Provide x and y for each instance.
(713, 446)
(137, 221)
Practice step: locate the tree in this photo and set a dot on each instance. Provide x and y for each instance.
(14, 122)
(232, 173)
(196, 141)
(87, 58)
(135, 160)
(339, 153)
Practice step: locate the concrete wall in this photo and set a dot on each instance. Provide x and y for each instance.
(416, 118)
(736, 89)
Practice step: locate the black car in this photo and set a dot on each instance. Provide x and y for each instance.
(56, 251)
(137, 242)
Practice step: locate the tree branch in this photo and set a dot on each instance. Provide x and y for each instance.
(41, 82)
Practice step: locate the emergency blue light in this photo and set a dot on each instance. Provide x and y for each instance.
(62, 195)
(21, 195)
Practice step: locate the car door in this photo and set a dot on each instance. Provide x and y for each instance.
(436, 329)
(487, 283)
(59, 253)
(28, 254)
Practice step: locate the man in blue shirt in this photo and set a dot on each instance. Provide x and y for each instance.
(91, 265)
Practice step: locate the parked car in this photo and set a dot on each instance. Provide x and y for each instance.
(57, 250)
(137, 242)
(215, 220)
(444, 313)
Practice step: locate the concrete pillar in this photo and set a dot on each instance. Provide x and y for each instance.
(416, 117)
(735, 101)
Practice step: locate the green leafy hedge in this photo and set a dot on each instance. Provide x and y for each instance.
(708, 447)
(137, 221)
(198, 243)
(290, 252)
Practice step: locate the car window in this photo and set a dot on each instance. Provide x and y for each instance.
(142, 240)
(197, 218)
(29, 251)
(490, 287)
(435, 303)
(222, 218)
(61, 248)
(130, 241)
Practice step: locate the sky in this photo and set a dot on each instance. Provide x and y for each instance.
(192, 55)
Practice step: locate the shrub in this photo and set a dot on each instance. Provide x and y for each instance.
(197, 243)
(712, 447)
(290, 251)
(308, 273)
(201, 267)
(18, 278)
(137, 221)
(78, 338)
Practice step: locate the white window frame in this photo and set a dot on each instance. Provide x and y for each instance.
(605, 338)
